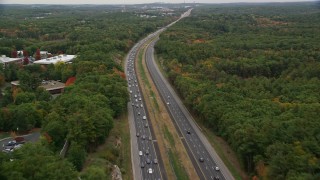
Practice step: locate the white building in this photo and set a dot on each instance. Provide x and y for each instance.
(53, 60)
(6, 60)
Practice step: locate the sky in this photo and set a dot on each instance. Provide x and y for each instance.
(131, 1)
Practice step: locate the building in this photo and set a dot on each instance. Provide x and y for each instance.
(53, 60)
(54, 87)
(6, 61)
(45, 54)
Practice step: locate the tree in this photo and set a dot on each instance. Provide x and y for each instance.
(94, 173)
(24, 116)
(14, 53)
(38, 55)
(29, 81)
(25, 97)
(76, 155)
(42, 94)
(35, 161)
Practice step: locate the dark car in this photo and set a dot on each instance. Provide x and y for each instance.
(147, 152)
(11, 143)
(189, 131)
(148, 161)
(142, 165)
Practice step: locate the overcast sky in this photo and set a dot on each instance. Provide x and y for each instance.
(131, 1)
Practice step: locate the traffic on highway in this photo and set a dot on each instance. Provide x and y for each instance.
(147, 154)
(208, 168)
(202, 158)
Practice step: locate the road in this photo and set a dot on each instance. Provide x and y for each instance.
(144, 149)
(33, 137)
(206, 161)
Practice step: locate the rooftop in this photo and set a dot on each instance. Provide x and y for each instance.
(4, 59)
(48, 85)
(53, 60)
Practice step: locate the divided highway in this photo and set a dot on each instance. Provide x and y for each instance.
(200, 150)
(145, 152)
(206, 161)
(146, 161)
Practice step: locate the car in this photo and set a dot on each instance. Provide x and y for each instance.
(216, 178)
(11, 143)
(146, 125)
(168, 103)
(139, 99)
(144, 137)
(130, 91)
(135, 96)
(142, 165)
(201, 159)
(138, 113)
(189, 131)
(217, 168)
(144, 118)
(150, 138)
(141, 105)
(147, 152)
(18, 146)
(140, 153)
(132, 104)
(148, 161)
(150, 171)
(155, 161)
(6, 150)
(138, 134)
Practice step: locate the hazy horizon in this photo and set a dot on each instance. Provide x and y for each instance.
(139, 1)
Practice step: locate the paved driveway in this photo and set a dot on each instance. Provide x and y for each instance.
(33, 137)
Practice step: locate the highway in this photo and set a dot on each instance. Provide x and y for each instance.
(206, 164)
(206, 161)
(144, 148)
(143, 141)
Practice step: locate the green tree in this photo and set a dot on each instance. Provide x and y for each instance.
(76, 155)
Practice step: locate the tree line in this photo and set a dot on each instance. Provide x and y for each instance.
(251, 74)
(84, 113)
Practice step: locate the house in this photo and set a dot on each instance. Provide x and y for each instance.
(54, 87)
(45, 54)
(6, 61)
(53, 60)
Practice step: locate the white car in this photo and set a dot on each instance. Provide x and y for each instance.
(217, 168)
(150, 171)
(140, 153)
(144, 118)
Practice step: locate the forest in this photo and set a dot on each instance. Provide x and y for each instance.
(251, 73)
(84, 114)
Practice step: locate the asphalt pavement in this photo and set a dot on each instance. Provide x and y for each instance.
(206, 161)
